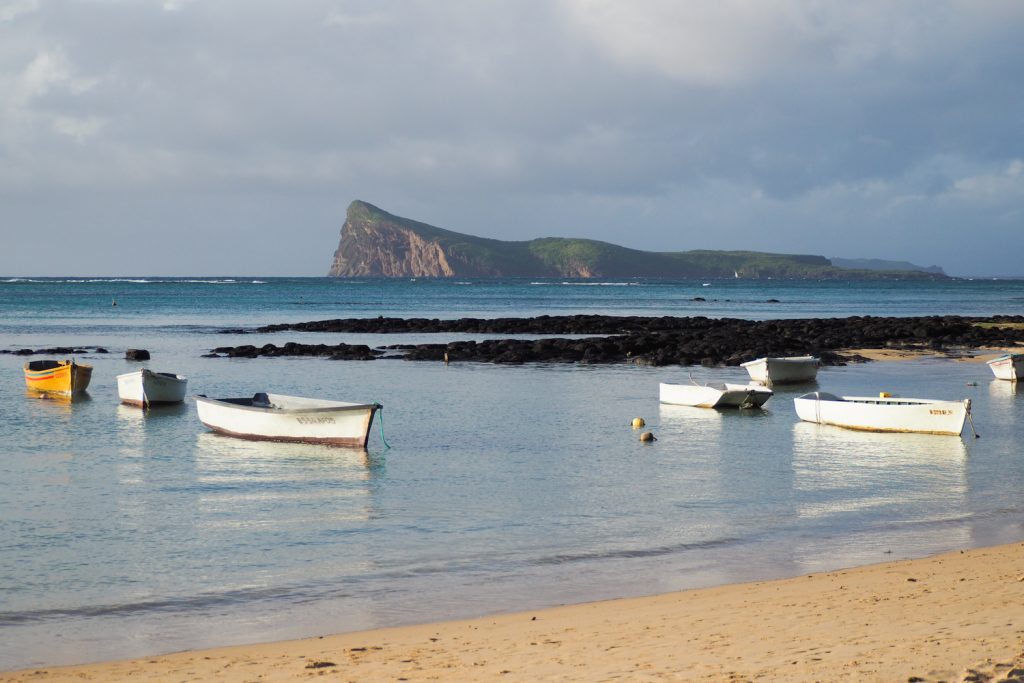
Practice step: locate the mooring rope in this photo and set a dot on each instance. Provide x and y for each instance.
(381, 411)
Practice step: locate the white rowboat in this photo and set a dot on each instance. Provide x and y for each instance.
(722, 395)
(276, 417)
(147, 388)
(884, 414)
(1009, 366)
(786, 370)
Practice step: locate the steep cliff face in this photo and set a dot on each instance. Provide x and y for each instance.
(374, 243)
(387, 250)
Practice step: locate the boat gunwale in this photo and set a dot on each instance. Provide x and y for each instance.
(785, 359)
(1006, 358)
(341, 407)
(162, 375)
(890, 401)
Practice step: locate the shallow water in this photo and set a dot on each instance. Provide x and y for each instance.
(126, 533)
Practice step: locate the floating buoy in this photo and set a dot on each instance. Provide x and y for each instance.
(647, 436)
(884, 394)
(638, 422)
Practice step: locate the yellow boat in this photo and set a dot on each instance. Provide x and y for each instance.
(57, 377)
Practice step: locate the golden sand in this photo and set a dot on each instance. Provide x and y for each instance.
(979, 355)
(888, 354)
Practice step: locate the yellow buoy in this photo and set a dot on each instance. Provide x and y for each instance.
(638, 422)
(884, 394)
(647, 436)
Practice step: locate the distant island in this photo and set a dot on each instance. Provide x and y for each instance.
(377, 243)
(880, 264)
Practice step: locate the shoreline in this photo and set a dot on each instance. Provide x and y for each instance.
(978, 354)
(952, 616)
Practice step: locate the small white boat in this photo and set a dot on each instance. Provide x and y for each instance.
(884, 414)
(147, 388)
(786, 370)
(1009, 366)
(276, 417)
(720, 395)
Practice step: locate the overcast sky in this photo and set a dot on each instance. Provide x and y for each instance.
(202, 137)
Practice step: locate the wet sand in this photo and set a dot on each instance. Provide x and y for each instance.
(887, 354)
(953, 617)
(968, 355)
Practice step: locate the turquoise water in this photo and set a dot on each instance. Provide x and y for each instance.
(504, 488)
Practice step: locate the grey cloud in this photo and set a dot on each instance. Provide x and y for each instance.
(779, 126)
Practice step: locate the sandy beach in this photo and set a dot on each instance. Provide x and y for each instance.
(971, 355)
(953, 617)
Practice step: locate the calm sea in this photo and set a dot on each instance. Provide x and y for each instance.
(504, 488)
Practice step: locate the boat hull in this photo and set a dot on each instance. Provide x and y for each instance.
(710, 396)
(789, 370)
(63, 378)
(289, 418)
(147, 388)
(1009, 367)
(917, 415)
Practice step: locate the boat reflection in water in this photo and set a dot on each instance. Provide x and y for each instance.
(57, 402)
(999, 388)
(1005, 408)
(707, 468)
(709, 426)
(215, 447)
(152, 431)
(130, 415)
(240, 473)
(698, 424)
(905, 494)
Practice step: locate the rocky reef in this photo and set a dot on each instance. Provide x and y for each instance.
(650, 340)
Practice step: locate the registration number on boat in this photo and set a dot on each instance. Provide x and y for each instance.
(322, 420)
(941, 412)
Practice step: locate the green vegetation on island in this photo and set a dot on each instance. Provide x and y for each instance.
(377, 243)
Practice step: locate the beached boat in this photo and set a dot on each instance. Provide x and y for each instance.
(63, 378)
(786, 370)
(276, 417)
(147, 388)
(884, 414)
(717, 395)
(1009, 366)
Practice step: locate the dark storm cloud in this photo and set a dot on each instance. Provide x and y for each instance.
(870, 130)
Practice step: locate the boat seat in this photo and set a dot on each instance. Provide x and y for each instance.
(822, 396)
(44, 364)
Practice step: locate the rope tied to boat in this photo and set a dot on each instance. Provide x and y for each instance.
(967, 406)
(381, 422)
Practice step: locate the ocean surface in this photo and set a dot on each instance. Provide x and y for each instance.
(486, 488)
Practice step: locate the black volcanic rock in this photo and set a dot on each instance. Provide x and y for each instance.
(651, 341)
(56, 351)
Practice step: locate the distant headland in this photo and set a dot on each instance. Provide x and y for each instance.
(377, 243)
